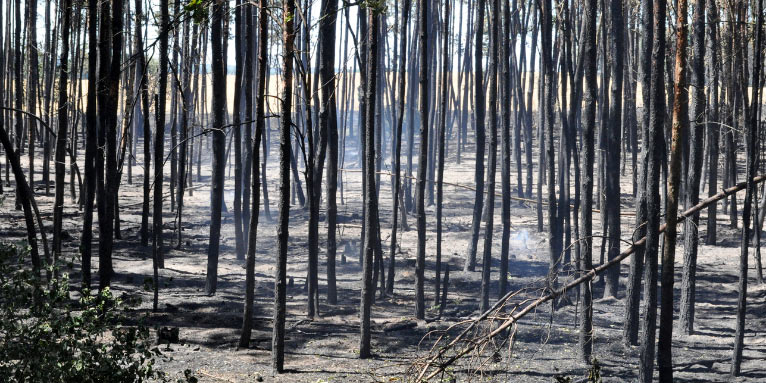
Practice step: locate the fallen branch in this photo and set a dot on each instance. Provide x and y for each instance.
(424, 374)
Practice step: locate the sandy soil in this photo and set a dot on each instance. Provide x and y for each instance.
(325, 350)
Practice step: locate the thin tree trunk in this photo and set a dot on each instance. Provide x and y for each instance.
(691, 234)
(586, 245)
(479, 112)
(280, 282)
(368, 288)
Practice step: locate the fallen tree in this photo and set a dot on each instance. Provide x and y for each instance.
(442, 355)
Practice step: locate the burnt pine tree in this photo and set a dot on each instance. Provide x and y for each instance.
(280, 276)
(633, 293)
(654, 148)
(91, 140)
(62, 134)
(751, 141)
(586, 220)
(492, 155)
(159, 138)
(328, 138)
(613, 132)
(108, 93)
(219, 150)
(420, 309)
(696, 148)
(554, 223)
(680, 125)
(370, 202)
(506, 150)
(440, 149)
(143, 88)
(402, 79)
(260, 124)
(479, 113)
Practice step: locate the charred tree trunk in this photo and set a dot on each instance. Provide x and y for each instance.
(654, 148)
(280, 282)
(751, 141)
(260, 124)
(423, 9)
(612, 181)
(402, 78)
(368, 286)
(479, 112)
(442, 127)
(62, 134)
(633, 294)
(696, 147)
(589, 113)
(91, 140)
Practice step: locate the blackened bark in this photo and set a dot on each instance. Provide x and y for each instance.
(654, 145)
(86, 240)
(696, 147)
(554, 223)
(159, 138)
(143, 88)
(633, 294)
(586, 245)
(280, 282)
(402, 76)
(751, 141)
(713, 129)
(506, 151)
(368, 287)
(442, 127)
(219, 142)
(479, 112)
(420, 310)
(260, 124)
(613, 130)
(62, 134)
(491, 156)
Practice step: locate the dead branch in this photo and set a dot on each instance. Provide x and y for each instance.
(430, 368)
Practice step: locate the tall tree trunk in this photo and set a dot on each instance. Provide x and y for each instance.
(654, 146)
(491, 156)
(691, 234)
(613, 131)
(713, 129)
(441, 138)
(143, 89)
(479, 112)
(633, 293)
(589, 125)
(751, 141)
(368, 287)
(62, 134)
(219, 148)
(91, 140)
(32, 61)
(554, 223)
(402, 76)
(159, 139)
(260, 124)
(680, 127)
(280, 282)
(328, 137)
(237, 128)
(420, 261)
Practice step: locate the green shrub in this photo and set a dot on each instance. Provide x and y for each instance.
(45, 336)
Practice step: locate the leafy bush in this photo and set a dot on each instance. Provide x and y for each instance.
(45, 336)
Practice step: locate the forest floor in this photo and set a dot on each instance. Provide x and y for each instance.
(326, 349)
